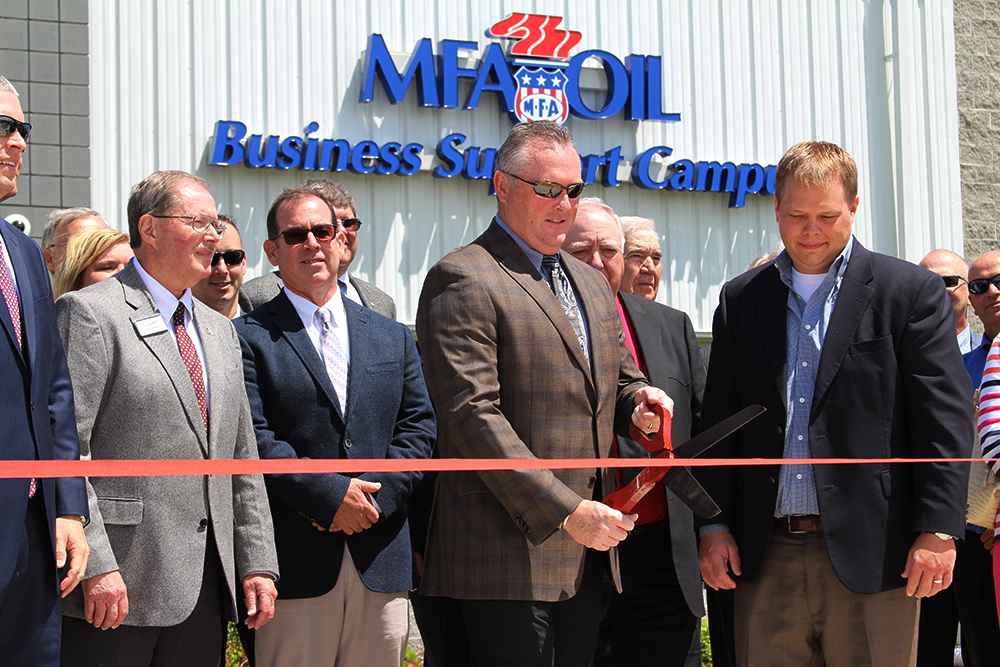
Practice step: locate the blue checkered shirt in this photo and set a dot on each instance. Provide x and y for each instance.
(805, 326)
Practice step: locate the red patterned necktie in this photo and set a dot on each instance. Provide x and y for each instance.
(191, 360)
(14, 308)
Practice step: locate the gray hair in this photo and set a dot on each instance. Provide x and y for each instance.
(63, 216)
(764, 258)
(633, 224)
(157, 193)
(512, 154)
(6, 86)
(597, 202)
(333, 192)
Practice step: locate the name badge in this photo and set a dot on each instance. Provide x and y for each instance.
(148, 326)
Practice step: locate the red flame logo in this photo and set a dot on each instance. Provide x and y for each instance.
(537, 34)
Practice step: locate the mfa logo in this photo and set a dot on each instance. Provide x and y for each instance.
(541, 84)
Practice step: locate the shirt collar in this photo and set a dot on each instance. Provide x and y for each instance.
(165, 301)
(307, 309)
(534, 256)
(839, 266)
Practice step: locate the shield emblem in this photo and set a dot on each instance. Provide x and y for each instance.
(541, 94)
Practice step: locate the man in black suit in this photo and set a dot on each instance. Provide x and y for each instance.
(329, 379)
(261, 290)
(41, 529)
(655, 617)
(831, 560)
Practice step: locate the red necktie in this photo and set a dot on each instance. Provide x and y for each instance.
(10, 296)
(191, 360)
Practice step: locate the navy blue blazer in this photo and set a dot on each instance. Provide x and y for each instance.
(37, 418)
(295, 415)
(890, 384)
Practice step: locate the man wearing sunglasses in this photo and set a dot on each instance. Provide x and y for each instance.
(524, 358)
(157, 376)
(221, 289)
(41, 526)
(955, 274)
(329, 379)
(263, 289)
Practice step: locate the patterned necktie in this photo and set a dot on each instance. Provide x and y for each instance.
(333, 355)
(191, 360)
(14, 308)
(567, 299)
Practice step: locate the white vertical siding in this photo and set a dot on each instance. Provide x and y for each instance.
(749, 77)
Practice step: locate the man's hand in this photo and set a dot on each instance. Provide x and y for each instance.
(717, 553)
(355, 512)
(929, 565)
(644, 417)
(70, 539)
(597, 526)
(987, 539)
(260, 594)
(105, 600)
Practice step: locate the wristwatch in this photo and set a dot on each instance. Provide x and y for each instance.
(945, 536)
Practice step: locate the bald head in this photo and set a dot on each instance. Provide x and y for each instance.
(987, 304)
(955, 272)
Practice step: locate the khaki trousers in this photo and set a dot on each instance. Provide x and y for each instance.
(796, 613)
(349, 626)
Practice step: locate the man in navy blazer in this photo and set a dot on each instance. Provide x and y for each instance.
(42, 520)
(853, 354)
(330, 379)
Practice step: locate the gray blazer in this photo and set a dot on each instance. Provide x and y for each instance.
(259, 291)
(134, 400)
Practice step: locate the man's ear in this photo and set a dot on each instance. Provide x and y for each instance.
(147, 229)
(501, 182)
(271, 250)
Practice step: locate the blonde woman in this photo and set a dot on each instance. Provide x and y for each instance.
(91, 257)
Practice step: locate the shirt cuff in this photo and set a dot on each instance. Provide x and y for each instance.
(711, 528)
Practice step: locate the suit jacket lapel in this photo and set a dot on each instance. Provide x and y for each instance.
(289, 324)
(358, 328)
(164, 348)
(25, 297)
(771, 298)
(516, 264)
(852, 302)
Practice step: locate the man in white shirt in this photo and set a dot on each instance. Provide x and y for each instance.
(955, 273)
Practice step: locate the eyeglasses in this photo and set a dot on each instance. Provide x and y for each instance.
(322, 233)
(551, 190)
(199, 223)
(8, 125)
(351, 223)
(982, 285)
(230, 257)
(953, 281)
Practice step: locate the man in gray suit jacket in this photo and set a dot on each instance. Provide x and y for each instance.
(158, 375)
(261, 290)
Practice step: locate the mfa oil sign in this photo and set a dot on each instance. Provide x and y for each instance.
(539, 81)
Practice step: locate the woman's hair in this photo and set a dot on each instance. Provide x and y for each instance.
(81, 252)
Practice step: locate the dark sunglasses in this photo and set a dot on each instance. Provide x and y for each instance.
(982, 285)
(551, 190)
(8, 125)
(952, 281)
(322, 233)
(230, 257)
(351, 223)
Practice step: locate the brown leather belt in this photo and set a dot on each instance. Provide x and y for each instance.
(809, 523)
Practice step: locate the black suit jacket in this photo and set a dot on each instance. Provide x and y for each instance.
(889, 384)
(37, 418)
(388, 415)
(669, 350)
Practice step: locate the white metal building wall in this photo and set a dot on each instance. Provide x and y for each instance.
(749, 77)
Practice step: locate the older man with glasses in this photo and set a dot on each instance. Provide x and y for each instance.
(955, 273)
(153, 370)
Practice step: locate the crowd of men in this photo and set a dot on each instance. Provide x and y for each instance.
(539, 339)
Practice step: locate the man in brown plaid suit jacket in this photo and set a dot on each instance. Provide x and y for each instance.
(522, 549)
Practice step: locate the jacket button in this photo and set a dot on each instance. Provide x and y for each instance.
(203, 523)
(778, 430)
(592, 481)
(348, 443)
(771, 480)
(32, 406)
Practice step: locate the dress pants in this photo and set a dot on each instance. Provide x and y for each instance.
(350, 626)
(974, 592)
(649, 621)
(529, 633)
(30, 612)
(446, 643)
(195, 642)
(796, 613)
